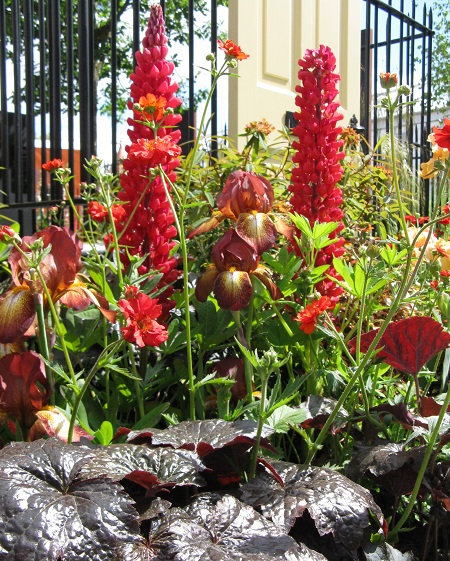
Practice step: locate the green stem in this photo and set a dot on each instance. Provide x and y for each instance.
(186, 296)
(105, 354)
(423, 467)
(136, 382)
(391, 111)
(261, 420)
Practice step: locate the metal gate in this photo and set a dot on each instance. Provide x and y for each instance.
(398, 39)
(47, 46)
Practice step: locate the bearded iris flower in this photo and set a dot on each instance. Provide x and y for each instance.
(60, 267)
(234, 261)
(246, 199)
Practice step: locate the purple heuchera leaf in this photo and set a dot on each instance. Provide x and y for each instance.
(407, 344)
(150, 468)
(337, 505)
(46, 512)
(222, 528)
(203, 436)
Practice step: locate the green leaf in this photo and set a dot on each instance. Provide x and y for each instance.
(284, 416)
(105, 433)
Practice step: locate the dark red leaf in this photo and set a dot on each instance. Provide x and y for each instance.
(407, 344)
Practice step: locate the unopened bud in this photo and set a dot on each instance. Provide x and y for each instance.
(388, 80)
(404, 90)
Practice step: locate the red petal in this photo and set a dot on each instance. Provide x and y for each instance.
(408, 344)
(24, 389)
(233, 290)
(17, 312)
(264, 276)
(205, 283)
(258, 230)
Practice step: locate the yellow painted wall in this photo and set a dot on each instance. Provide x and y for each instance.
(276, 34)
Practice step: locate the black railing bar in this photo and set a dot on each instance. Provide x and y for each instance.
(29, 93)
(214, 95)
(191, 111)
(114, 86)
(395, 41)
(70, 99)
(42, 95)
(136, 28)
(17, 172)
(4, 120)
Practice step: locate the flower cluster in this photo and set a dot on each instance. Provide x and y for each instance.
(315, 191)
(147, 225)
(140, 312)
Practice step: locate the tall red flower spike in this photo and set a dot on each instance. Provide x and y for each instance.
(315, 193)
(151, 229)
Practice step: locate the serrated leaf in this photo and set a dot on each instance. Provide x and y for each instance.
(203, 436)
(46, 512)
(150, 468)
(337, 505)
(283, 417)
(407, 344)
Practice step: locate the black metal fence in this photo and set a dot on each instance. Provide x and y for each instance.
(398, 39)
(49, 53)
(49, 65)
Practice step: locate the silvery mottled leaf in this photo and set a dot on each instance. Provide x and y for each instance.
(46, 512)
(337, 505)
(203, 436)
(148, 467)
(242, 531)
(380, 460)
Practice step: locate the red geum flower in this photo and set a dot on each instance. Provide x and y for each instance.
(231, 49)
(140, 313)
(234, 260)
(24, 388)
(53, 164)
(97, 211)
(442, 135)
(154, 152)
(59, 269)
(308, 316)
(246, 199)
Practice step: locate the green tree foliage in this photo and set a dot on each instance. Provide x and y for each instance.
(176, 28)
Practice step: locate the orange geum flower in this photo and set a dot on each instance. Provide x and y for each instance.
(153, 107)
(231, 49)
(308, 316)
